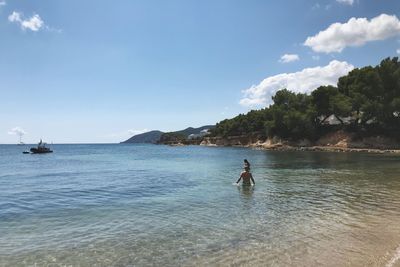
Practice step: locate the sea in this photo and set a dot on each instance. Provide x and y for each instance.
(156, 205)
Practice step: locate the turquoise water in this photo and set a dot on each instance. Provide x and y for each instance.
(148, 205)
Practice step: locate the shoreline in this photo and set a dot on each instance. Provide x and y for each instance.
(258, 146)
(339, 141)
(329, 149)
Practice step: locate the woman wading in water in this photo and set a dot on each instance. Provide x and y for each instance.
(246, 175)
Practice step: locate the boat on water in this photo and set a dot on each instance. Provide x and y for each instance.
(40, 149)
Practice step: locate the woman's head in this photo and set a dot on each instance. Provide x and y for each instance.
(246, 163)
(246, 169)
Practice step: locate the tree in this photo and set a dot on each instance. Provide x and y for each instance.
(292, 116)
(329, 101)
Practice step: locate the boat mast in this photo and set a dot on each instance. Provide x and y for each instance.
(20, 138)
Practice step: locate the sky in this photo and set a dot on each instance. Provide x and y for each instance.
(96, 71)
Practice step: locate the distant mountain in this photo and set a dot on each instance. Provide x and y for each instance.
(159, 137)
(148, 137)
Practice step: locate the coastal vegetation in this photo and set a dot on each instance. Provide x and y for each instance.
(366, 102)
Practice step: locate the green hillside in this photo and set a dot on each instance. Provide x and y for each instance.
(365, 102)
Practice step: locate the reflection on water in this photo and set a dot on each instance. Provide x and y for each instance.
(155, 205)
(246, 191)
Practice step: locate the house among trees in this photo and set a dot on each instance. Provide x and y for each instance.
(199, 135)
(334, 120)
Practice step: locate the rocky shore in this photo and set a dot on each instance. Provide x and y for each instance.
(334, 142)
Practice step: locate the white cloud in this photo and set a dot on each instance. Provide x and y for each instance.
(303, 81)
(355, 32)
(34, 23)
(286, 58)
(346, 2)
(17, 131)
(398, 51)
(2, 3)
(15, 17)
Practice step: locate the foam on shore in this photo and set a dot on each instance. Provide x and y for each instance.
(395, 258)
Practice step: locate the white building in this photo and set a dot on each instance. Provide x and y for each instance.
(201, 134)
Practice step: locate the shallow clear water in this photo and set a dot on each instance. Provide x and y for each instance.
(140, 205)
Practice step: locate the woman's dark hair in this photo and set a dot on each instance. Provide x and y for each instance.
(247, 163)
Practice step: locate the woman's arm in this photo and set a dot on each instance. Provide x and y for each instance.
(239, 178)
(251, 177)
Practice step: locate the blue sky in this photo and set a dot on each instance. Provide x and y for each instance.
(99, 71)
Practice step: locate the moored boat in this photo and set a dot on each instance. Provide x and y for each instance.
(41, 148)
